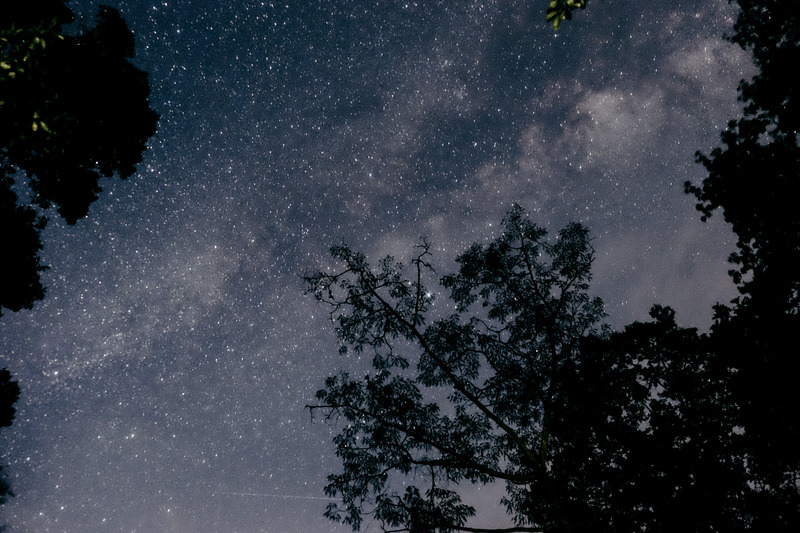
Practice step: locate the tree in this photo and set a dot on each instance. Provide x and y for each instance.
(74, 109)
(521, 384)
(9, 394)
(677, 456)
(21, 244)
(752, 178)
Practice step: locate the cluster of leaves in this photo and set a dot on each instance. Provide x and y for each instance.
(521, 385)
(74, 109)
(560, 10)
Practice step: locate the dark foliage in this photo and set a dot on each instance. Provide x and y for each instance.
(560, 10)
(677, 452)
(20, 243)
(753, 178)
(74, 109)
(9, 394)
(589, 431)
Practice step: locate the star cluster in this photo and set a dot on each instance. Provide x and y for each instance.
(165, 374)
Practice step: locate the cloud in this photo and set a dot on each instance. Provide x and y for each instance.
(619, 127)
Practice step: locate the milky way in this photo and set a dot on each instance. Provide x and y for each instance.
(165, 374)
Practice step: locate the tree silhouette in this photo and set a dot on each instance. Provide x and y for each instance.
(753, 179)
(753, 176)
(74, 109)
(588, 430)
(9, 394)
(21, 244)
(654, 428)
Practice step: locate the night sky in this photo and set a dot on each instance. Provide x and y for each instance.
(165, 374)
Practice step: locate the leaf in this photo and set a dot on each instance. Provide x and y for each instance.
(559, 10)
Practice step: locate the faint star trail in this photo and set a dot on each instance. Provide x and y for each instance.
(265, 495)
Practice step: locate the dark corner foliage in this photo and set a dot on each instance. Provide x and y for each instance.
(73, 109)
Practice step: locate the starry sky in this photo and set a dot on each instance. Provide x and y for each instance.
(165, 374)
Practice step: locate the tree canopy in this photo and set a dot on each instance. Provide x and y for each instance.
(652, 428)
(74, 109)
(752, 178)
(523, 385)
